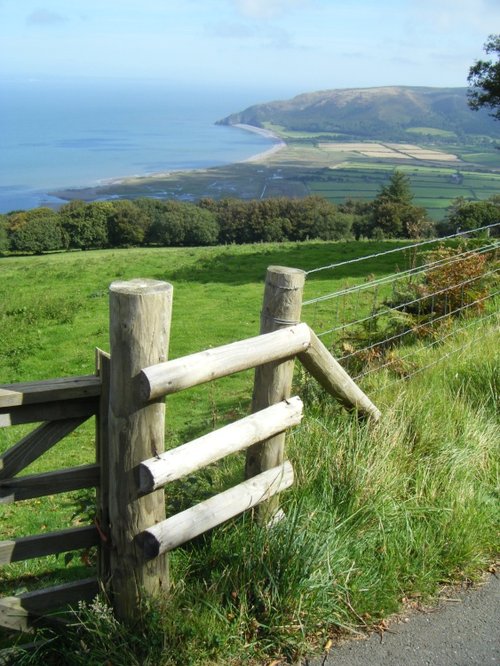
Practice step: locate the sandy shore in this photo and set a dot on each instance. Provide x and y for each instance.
(268, 134)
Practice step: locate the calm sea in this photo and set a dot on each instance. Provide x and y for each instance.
(66, 135)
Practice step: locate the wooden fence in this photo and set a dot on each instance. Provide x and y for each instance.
(126, 395)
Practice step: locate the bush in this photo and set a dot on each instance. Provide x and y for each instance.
(37, 231)
(86, 224)
(127, 224)
(177, 224)
(4, 237)
(466, 215)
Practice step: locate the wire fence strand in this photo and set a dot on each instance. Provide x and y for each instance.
(459, 234)
(421, 302)
(387, 279)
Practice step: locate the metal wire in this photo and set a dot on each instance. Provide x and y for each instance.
(401, 249)
(434, 342)
(397, 276)
(379, 313)
(444, 356)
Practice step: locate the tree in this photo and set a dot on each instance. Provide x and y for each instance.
(127, 224)
(484, 80)
(86, 223)
(397, 190)
(38, 230)
(466, 215)
(175, 224)
(4, 238)
(393, 214)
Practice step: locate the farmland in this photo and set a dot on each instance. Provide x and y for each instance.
(376, 514)
(313, 164)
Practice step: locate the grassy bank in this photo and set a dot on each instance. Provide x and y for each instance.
(377, 514)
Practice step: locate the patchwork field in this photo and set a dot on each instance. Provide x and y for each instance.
(396, 151)
(313, 163)
(434, 188)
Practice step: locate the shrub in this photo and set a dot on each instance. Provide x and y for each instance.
(127, 224)
(86, 224)
(37, 231)
(4, 237)
(176, 224)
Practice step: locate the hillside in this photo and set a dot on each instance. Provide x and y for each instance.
(391, 113)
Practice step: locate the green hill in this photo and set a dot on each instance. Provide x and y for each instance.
(390, 113)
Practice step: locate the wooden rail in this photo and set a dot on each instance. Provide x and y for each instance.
(204, 516)
(21, 611)
(63, 404)
(50, 543)
(203, 451)
(182, 373)
(131, 468)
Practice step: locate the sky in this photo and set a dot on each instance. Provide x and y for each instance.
(277, 46)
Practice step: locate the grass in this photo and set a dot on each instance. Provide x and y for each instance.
(377, 514)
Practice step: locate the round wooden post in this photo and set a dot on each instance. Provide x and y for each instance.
(273, 381)
(140, 313)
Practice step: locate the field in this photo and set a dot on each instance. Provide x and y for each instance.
(434, 188)
(334, 168)
(382, 514)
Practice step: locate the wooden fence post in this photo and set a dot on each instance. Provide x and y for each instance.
(102, 451)
(273, 381)
(140, 313)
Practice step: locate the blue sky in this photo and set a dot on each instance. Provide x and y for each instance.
(286, 46)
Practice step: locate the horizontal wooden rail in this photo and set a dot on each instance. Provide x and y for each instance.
(202, 517)
(48, 411)
(49, 390)
(182, 373)
(334, 379)
(18, 612)
(35, 444)
(39, 545)
(49, 483)
(198, 453)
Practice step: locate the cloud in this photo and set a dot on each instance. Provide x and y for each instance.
(43, 16)
(276, 38)
(444, 15)
(264, 36)
(229, 30)
(268, 9)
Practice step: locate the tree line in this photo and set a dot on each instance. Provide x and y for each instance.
(170, 223)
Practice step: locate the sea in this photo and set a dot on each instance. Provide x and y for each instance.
(64, 134)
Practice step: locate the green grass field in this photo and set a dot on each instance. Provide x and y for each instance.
(376, 514)
(433, 188)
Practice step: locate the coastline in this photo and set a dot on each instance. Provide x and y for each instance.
(268, 134)
(103, 190)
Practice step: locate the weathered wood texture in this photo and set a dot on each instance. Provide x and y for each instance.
(273, 381)
(49, 390)
(48, 483)
(203, 451)
(182, 373)
(19, 612)
(204, 516)
(102, 448)
(140, 312)
(49, 411)
(334, 379)
(34, 445)
(39, 545)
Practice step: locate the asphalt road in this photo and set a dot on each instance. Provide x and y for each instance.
(463, 632)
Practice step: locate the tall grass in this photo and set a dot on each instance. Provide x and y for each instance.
(379, 513)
